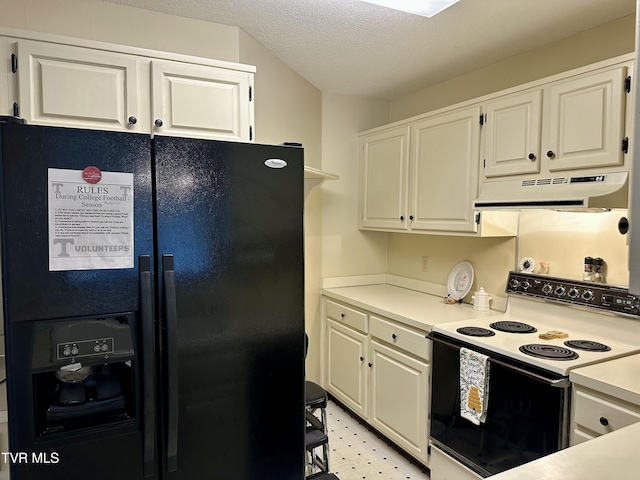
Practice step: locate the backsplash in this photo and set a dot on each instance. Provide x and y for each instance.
(560, 238)
(565, 238)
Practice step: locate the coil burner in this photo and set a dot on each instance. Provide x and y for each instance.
(587, 345)
(513, 327)
(476, 331)
(549, 352)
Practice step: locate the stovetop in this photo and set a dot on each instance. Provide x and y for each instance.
(606, 317)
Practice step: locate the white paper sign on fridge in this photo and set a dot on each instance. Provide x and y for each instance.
(90, 219)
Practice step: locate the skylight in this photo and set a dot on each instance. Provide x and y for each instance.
(425, 8)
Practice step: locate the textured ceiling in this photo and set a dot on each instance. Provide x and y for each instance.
(356, 48)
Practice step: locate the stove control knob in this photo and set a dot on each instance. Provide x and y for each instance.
(587, 295)
(574, 292)
(559, 291)
(66, 352)
(547, 289)
(525, 285)
(514, 283)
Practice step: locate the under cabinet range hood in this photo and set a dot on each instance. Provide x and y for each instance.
(608, 190)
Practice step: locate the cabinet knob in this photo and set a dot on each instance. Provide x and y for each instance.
(550, 154)
(402, 218)
(342, 315)
(603, 421)
(133, 120)
(158, 122)
(411, 217)
(394, 336)
(623, 225)
(362, 359)
(370, 364)
(532, 156)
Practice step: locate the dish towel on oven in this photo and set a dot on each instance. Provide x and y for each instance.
(474, 385)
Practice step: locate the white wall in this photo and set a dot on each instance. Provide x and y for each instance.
(346, 250)
(107, 22)
(600, 43)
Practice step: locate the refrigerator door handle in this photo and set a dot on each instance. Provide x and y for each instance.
(148, 347)
(172, 361)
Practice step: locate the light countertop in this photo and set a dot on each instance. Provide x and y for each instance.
(413, 308)
(619, 378)
(611, 456)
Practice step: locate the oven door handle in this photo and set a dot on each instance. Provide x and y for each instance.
(554, 382)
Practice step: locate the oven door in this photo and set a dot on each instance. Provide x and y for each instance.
(527, 412)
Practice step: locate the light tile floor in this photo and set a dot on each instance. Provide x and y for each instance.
(357, 452)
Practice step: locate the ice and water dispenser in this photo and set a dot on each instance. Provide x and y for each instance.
(83, 373)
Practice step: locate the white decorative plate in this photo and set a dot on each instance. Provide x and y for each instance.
(460, 280)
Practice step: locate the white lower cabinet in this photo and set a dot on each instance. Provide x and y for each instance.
(399, 401)
(379, 369)
(595, 413)
(346, 371)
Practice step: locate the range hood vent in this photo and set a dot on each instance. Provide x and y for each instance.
(587, 191)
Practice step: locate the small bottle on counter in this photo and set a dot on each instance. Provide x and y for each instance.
(598, 270)
(587, 276)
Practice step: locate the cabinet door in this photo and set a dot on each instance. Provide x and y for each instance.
(512, 135)
(399, 400)
(384, 177)
(586, 119)
(203, 102)
(78, 87)
(346, 366)
(445, 151)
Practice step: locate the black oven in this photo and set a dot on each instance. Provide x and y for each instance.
(527, 412)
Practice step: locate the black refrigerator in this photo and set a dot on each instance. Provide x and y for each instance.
(177, 350)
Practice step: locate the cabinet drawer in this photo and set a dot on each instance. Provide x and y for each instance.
(348, 316)
(401, 337)
(602, 415)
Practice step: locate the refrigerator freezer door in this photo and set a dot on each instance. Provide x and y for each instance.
(33, 294)
(32, 291)
(233, 226)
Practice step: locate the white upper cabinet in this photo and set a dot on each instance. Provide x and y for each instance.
(512, 134)
(576, 123)
(79, 87)
(384, 179)
(585, 125)
(197, 101)
(445, 151)
(109, 87)
(421, 176)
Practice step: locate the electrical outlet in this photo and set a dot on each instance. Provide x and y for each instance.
(425, 264)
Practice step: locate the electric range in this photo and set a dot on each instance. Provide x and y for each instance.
(527, 413)
(593, 323)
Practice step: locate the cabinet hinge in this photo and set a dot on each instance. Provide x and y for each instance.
(625, 144)
(250, 132)
(428, 449)
(250, 93)
(627, 84)
(16, 110)
(478, 218)
(484, 163)
(14, 63)
(483, 118)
